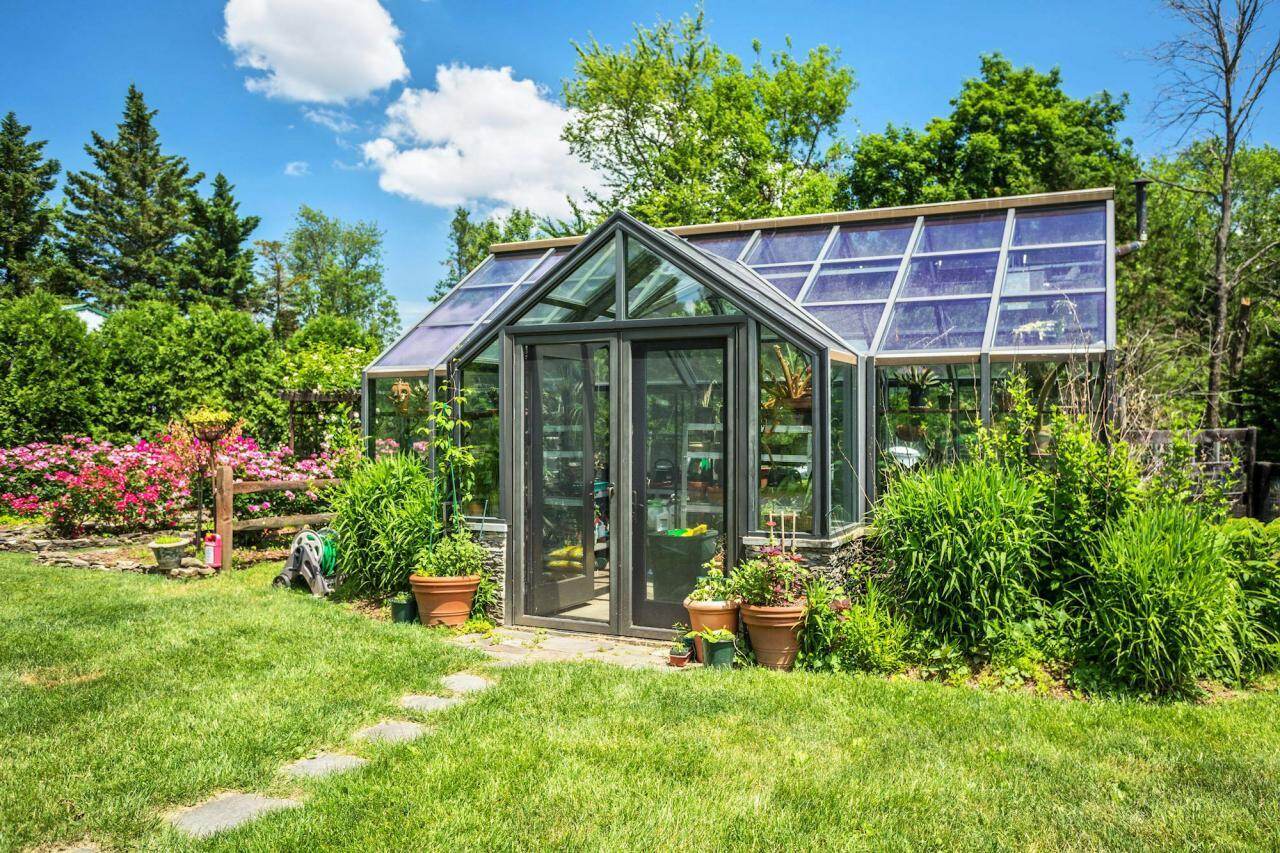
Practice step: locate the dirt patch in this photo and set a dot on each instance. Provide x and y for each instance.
(370, 608)
(50, 677)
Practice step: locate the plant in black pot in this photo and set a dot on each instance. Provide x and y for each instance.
(404, 608)
(719, 647)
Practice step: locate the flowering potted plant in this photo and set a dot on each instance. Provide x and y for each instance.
(168, 552)
(720, 645)
(446, 577)
(770, 589)
(711, 604)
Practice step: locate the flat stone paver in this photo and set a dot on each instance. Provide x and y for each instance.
(573, 645)
(391, 731)
(226, 811)
(427, 703)
(465, 682)
(324, 764)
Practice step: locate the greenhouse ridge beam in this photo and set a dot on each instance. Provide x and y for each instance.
(844, 217)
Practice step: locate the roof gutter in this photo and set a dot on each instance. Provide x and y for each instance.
(1140, 198)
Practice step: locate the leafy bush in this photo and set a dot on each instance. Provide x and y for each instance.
(872, 638)
(1255, 565)
(964, 545)
(386, 513)
(1163, 608)
(773, 578)
(456, 555)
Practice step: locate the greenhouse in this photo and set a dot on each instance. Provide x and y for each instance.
(639, 399)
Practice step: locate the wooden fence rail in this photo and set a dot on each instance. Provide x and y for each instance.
(224, 520)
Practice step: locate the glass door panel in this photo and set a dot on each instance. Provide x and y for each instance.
(680, 462)
(567, 571)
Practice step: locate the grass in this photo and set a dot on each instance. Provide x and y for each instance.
(122, 696)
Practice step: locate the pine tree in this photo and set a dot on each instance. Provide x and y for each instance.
(26, 217)
(220, 263)
(129, 213)
(279, 289)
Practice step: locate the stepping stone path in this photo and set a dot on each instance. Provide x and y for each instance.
(508, 646)
(465, 682)
(226, 811)
(391, 731)
(324, 764)
(426, 704)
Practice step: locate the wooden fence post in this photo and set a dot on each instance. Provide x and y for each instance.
(222, 510)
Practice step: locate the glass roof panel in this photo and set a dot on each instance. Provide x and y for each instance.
(504, 269)
(1039, 321)
(789, 279)
(549, 263)
(844, 281)
(424, 346)
(1064, 225)
(727, 246)
(871, 240)
(951, 275)
(855, 323)
(587, 294)
(465, 305)
(938, 325)
(953, 233)
(1056, 268)
(788, 246)
(657, 288)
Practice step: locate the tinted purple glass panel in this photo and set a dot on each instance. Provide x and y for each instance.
(424, 346)
(788, 279)
(951, 275)
(868, 241)
(781, 247)
(846, 281)
(945, 324)
(1068, 225)
(856, 324)
(504, 269)
(1057, 268)
(1038, 321)
(982, 231)
(547, 265)
(725, 245)
(466, 305)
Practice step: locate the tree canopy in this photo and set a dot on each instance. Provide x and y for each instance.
(26, 217)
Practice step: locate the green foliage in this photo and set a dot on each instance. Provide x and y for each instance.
(386, 512)
(965, 545)
(50, 378)
(129, 213)
(1174, 475)
(27, 219)
(1162, 607)
(219, 263)
(1254, 548)
(1010, 131)
(456, 555)
(334, 331)
(683, 132)
(277, 288)
(324, 367)
(872, 638)
(774, 578)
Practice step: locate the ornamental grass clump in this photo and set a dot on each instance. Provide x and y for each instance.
(964, 546)
(1163, 609)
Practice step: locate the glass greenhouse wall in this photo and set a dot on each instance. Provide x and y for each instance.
(720, 382)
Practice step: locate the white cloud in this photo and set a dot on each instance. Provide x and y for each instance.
(321, 51)
(481, 137)
(297, 168)
(335, 120)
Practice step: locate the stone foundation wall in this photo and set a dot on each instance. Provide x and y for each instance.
(495, 542)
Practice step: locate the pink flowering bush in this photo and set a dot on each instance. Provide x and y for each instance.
(145, 485)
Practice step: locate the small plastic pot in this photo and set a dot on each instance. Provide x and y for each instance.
(719, 655)
(404, 610)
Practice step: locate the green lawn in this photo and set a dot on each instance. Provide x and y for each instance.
(122, 696)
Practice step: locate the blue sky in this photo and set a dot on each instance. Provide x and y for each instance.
(339, 103)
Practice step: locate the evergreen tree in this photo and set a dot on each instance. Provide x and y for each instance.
(129, 213)
(26, 218)
(220, 263)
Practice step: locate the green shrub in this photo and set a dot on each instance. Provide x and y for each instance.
(1255, 565)
(387, 511)
(1163, 609)
(871, 637)
(458, 555)
(964, 546)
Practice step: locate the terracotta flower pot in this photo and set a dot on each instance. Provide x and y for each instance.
(679, 659)
(775, 633)
(444, 601)
(709, 616)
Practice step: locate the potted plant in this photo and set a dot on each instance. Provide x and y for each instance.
(721, 645)
(681, 651)
(918, 379)
(770, 590)
(445, 579)
(168, 552)
(404, 608)
(711, 603)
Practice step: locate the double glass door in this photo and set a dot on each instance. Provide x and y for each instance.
(625, 478)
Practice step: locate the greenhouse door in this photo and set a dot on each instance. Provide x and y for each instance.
(622, 477)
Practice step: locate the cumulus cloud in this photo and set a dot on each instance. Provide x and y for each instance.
(319, 51)
(480, 137)
(297, 168)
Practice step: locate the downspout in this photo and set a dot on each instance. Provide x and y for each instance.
(1140, 193)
